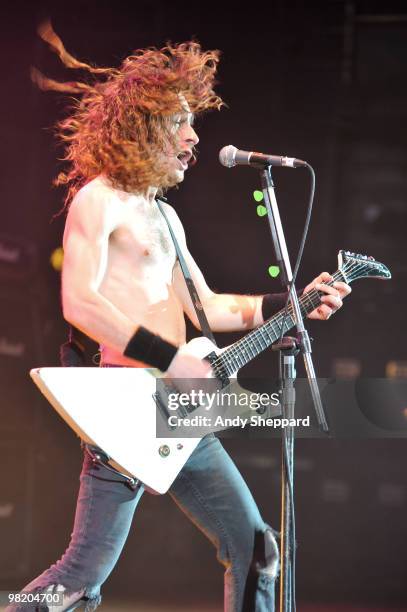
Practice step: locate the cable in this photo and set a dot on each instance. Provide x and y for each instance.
(301, 248)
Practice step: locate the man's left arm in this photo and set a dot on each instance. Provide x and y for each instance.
(229, 312)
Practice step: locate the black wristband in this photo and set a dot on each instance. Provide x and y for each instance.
(151, 349)
(273, 302)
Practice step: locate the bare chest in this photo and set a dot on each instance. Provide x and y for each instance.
(142, 238)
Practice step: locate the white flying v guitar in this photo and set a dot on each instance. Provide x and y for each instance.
(115, 409)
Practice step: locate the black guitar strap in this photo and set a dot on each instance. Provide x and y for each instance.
(200, 313)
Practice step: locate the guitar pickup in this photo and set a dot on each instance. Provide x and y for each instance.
(163, 409)
(160, 398)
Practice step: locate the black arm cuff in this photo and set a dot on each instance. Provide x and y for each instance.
(273, 302)
(151, 349)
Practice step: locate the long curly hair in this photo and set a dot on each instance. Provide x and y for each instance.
(119, 124)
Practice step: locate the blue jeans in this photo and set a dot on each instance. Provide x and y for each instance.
(210, 491)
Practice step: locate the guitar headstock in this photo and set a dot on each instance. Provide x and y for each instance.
(354, 266)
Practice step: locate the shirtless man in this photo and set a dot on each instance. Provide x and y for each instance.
(122, 286)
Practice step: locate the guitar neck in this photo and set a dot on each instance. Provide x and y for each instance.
(255, 342)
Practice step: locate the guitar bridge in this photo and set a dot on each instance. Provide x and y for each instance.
(218, 370)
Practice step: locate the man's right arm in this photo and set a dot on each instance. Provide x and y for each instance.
(86, 240)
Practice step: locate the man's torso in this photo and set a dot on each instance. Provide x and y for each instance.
(139, 274)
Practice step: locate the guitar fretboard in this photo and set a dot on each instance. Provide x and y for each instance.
(255, 342)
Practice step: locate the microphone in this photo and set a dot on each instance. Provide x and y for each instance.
(229, 156)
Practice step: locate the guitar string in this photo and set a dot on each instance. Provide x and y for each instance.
(312, 297)
(257, 342)
(237, 353)
(234, 352)
(245, 344)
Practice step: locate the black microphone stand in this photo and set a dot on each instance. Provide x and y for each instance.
(288, 349)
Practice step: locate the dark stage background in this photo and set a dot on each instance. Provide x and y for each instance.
(324, 81)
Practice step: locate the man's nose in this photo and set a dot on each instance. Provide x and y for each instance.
(191, 136)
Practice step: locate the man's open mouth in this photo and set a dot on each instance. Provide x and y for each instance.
(184, 158)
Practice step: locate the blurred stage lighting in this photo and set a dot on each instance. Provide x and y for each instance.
(396, 369)
(274, 271)
(56, 259)
(346, 368)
